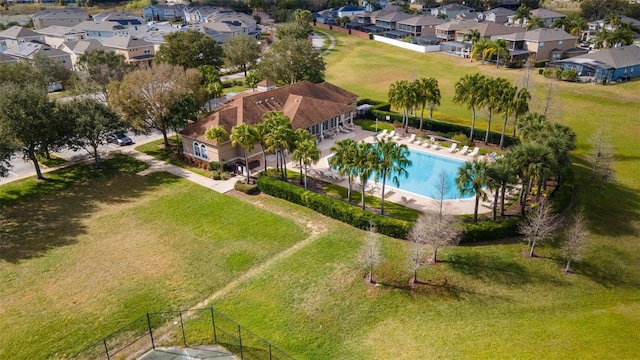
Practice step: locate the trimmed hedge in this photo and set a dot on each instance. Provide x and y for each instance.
(382, 110)
(489, 230)
(334, 208)
(251, 189)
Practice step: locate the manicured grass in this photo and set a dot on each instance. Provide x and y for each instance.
(94, 250)
(52, 162)
(155, 149)
(370, 125)
(391, 209)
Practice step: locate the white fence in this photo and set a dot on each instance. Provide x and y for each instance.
(406, 45)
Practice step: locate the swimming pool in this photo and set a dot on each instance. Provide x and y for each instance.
(424, 175)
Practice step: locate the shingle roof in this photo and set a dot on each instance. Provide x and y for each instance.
(489, 28)
(125, 42)
(56, 30)
(540, 35)
(99, 26)
(29, 49)
(457, 25)
(615, 57)
(422, 20)
(394, 17)
(304, 103)
(16, 32)
(69, 12)
(4, 58)
(455, 6)
(500, 12)
(82, 46)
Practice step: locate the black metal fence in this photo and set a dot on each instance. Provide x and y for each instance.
(184, 328)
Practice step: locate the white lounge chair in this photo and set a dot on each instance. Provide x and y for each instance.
(391, 134)
(435, 146)
(343, 130)
(464, 150)
(474, 153)
(407, 199)
(418, 142)
(381, 135)
(453, 147)
(396, 137)
(412, 138)
(426, 144)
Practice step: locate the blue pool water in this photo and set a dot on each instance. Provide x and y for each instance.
(424, 173)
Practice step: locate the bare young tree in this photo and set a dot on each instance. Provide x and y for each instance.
(538, 226)
(371, 255)
(527, 69)
(601, 153)
(416, 252)
(575, 240)
(442, 187)
(548, 98)
(437, 230)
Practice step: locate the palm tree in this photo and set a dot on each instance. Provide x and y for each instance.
(602, 38)
(472, 36)
(393, 159)
(403, 95)
(563, 23)
(535, 22)
(532, 161)
(520, 107)
(497, 48)
(307, 153)
(251, 80)
(270, 121)
(505, 106)
(427, 93)
(300, 136)
(245, 136)
(365, 164)
(503, 173)
(472, 177)
(215, 89)
(492, 98)
(621, 35)
(217, 133)
(479, 48)
(280, 139)
(577, 25)
(522, 14)
(343, 160)
(531, 125)
(469, 91)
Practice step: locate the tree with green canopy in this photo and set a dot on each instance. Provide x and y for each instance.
(343, 161)
(189, 49)
(306, 152)
(245, 136)
(392, 162)
(240, 52)
(471, 179)
(217, 134)
(102, 67)
(470, 90)
(290, 60)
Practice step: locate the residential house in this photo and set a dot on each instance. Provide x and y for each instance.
(615, 64)
(421, 25)
(231, 22)
(220, 32)
(545, 44)
(198, 14)
(79, 47)
(4, 58)
(510, 4)
(134, 23)
(547, 16)
(447, 31)
(68, 16)
(319, 108)
(498, 15)
(451, 11)
(102, 30)
(389, 21)
(163, 12)
(135, 50)
(30, 50)
(17, 35)
(488, 30)
(56, 35)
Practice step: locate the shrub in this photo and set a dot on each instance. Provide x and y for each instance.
(540, 63)
(570, 75)
(462, 138)
(397, 123)
(562, 196)
(251, 189)
(489, 230)
(334, 208)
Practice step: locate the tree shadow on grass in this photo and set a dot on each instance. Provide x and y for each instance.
(610, 270)
(49, 214)
(491, 269)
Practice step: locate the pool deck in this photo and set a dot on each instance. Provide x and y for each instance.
(419, 202)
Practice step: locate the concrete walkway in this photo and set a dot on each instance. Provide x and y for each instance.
(332, 42)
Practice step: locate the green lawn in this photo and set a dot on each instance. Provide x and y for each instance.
(159, 152)
(86, 252)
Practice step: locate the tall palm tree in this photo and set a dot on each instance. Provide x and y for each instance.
(217, 133)
(471, 179)
(393, 160)
(343, 160)
(300, 136)
(365, 164)
(469, 90)
(497, 48)
(520, 107)
(402, 95)
(563, 23)
(245, 136)
(577, 25)
(535, 22)
(532, 161)
(427, 94)
(503, 173)
(478, 49)
(506, 107)
(307, 153)
(492, 98)
(472, 36)
(621, 35)
(530, 126)
(266, 129)
(280, 139)
(433, 101)
(522, 14)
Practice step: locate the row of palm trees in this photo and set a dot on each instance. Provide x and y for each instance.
(496, 95)
(421, 93)
(384, 160)
(275, 135)
(543, 153)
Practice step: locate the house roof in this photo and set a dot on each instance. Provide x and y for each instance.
(81, 46)
(30, 49)
(620, 57)
(99, 26)
(499, 12)
(489, 28)
(540, 35)
(456, 7)
(305, 103)
(394, 17)
(4, 58)
(66, 13)
(56, 30)
(626, 19)
(457, 25)
(17, 32)
(422, 20)
(546, 14)
(125, 42)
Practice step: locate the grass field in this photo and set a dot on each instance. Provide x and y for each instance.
(86, 251)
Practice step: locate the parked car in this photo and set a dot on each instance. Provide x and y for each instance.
(120, 139)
